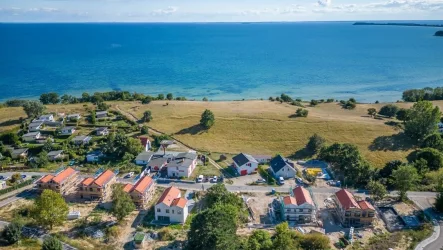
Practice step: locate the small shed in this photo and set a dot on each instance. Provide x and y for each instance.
(139, 240)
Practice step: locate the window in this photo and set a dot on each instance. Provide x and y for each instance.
(158, 210)
(347, 214)
(309, 210)
(167, 211)
(357, 214)
(300, 210)
(363, 214)
(98, 189)
(371, 214)
(179, 212)
(90, 189)
(81, 188)
(172, 211)
(39, 185)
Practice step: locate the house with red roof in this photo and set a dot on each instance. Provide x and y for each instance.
(60, 183)
(98, 188)
(171, 207)
(142, 192)
(299, 206)
(353, 213)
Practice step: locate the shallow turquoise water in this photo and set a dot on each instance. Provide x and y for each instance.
(220, 61)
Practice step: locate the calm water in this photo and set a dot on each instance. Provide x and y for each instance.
(220, 61)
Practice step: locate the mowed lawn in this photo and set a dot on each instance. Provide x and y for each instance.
(263, 127)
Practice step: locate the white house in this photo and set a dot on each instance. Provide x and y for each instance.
(73, 117)
(101, 131)
(182, 165)
(19, 153)
(35, 126)
(2, 185)
(143, 158)
(282, 167)
(146, 143)
(32, 136)
(94, 156)
(157, 163)
(171, 207)
(299, 206)
(81, 139)
(44, 118)
(262, 158)
(55, 155)
(245, 164)
(68, 130)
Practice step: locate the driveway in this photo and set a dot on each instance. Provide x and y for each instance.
(436, 240)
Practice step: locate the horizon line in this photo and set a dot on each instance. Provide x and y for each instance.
(213, 22)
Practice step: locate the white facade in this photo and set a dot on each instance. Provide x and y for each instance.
(302, 213)
(46, 118)
(31, 136)
(35, 126)
(246, 168)
(67, 130)
(175, 214)
(285, 172)
(73, 117)
(93, 157)
(181, 168)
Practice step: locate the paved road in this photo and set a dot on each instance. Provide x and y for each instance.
(436, 240)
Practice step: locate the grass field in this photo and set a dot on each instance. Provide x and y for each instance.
(264, 127)
(260, 127)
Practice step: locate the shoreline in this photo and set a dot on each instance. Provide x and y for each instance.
(400, 24)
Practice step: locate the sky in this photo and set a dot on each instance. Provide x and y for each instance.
(217, 10)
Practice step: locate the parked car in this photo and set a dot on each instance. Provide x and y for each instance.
(261, 180)
(281, 181)
(200, 178)
(299, 180)
(23, 176)
(130, 174)
(214, 179)
(1, 177)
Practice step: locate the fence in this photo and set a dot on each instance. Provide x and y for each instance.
(18, 186)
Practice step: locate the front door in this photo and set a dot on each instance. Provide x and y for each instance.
(244, 172)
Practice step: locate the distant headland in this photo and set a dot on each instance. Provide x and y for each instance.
(439, 33)
(400, 24)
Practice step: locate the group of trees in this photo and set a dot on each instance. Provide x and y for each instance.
(49, 98)
(119, 144)
(415, 95)
(301, 112)
(122, 204)
(349, 104)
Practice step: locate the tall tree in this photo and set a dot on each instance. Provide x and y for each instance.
(214, 228)
(433, 141)
(377, 190)
(207, 119)
(147, 116)
(52, 243)
(122, 204)
(133, 146)
(53, 98)
(218, 194)
(315, 143)
(33, 108)
(402, 115)
(347, 163)
(259, 240)
(93, 117)
(389, 110)
(423, 120)
(161, 97)
(50, 209)
(404, 179)
(433, 157)
(169, 96)
(283, 239)
(314, 241)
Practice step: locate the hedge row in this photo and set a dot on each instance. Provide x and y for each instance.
(23, 184)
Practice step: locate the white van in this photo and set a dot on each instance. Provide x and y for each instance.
(200, 179)
(281, 180)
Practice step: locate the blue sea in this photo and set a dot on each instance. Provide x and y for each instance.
(220, 61)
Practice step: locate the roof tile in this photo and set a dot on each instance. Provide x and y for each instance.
(46, 178)
(104, 178)
(169, 195)
(143, 184)
(346, 199)
(63, 175)
(302, 196)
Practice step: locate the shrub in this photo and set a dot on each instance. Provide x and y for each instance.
(271, 99)
(315, 143)
(314, 102)
(51, 243)
(165, 234)
(145, 130)
(389, 110)
(298, 104)
(301, 112)
(329, 100)
(12, 232)
(349, 105)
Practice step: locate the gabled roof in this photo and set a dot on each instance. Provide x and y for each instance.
(104, 178)
(302, 196)
(168, 196)
(289, 200)
(36, 124)
(143, 184)
(31, 134)
(101, 113)
(102, 129)
(157, 162)
(46, 178)
(81, 138)
(63, 175)
(346, 199)
(278, 162)
(180, 163)
(73, 115)
(179, 202)
(55, 153)
(127, 188)
(144, 156)
(365, 205)
(241, 159)
(46, 116)
(187, 155)
(19, 151)
(87, 181)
